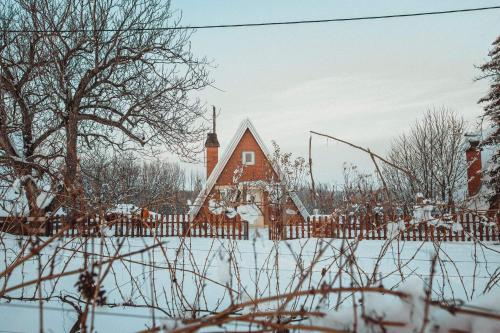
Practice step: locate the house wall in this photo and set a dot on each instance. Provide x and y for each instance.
(261, 170)
(473, 156)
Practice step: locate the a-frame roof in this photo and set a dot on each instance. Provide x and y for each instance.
(221, 164)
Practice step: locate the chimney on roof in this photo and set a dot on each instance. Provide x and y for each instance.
(212, 147)
(474, 168)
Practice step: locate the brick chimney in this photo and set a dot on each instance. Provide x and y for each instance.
(212, 148)
(474, 168)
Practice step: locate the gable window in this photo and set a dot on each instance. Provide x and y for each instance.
(248, 158)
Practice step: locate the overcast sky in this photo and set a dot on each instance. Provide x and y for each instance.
(363, 81)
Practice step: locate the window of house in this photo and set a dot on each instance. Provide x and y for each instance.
(228, 195)
(250, 198)
(224, 194)
(248, 158)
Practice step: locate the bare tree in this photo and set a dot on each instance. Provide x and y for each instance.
(324, 200)
(433, 151)
(124, 179)
(292, 175)
(29, 131)
(491, 71)
(79, 73)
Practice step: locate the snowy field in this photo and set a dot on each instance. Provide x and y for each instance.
(179, 275)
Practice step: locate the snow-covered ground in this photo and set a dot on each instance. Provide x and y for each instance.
(256, 267)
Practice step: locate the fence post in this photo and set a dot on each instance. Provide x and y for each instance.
(355, 227)
(56, 227)
(221, 223)
(170, 225)
(72, 225)
(155, 224)
(124, 222)
(48, 227)
(211, 223)
(59, 224)
(367, 228)
(379, 231)
(462, 233)
(361, 228)
(162, 225)
(192, 228)
(133, 225)
(240, 226)
(326, 227)
(474, 227)
(185, 228)
(316, 226)
(495, 230)
(487, 233)
(464, 227)
(120, 223)
(179, 224)
(481, 231)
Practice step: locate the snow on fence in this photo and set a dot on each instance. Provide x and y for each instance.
(460, 227)
(126, 225)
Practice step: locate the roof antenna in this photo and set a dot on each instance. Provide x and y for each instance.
(213, 119)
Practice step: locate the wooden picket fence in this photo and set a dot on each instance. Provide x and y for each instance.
(473, 227)
(125, 225)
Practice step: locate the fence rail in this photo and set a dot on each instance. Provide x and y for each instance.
(460, 227)
(125, 225)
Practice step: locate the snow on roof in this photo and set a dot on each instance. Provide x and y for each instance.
(122, 208)
(14, 202)
(221, 164)
(473, 137)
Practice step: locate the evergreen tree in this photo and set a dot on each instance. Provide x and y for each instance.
(491, 102)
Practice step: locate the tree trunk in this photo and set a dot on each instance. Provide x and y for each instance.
(31, 195)
(71, 173)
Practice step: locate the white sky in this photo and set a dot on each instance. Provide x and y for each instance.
(364, 81)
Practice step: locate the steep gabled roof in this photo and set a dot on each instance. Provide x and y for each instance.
(221, 164)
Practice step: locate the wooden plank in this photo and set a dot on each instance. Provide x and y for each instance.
(368, 233)
(481, 231)
(179, 225)
(474, 227)
(354, 228)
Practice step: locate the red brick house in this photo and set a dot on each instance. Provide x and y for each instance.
(478, 194)
(245, 181)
